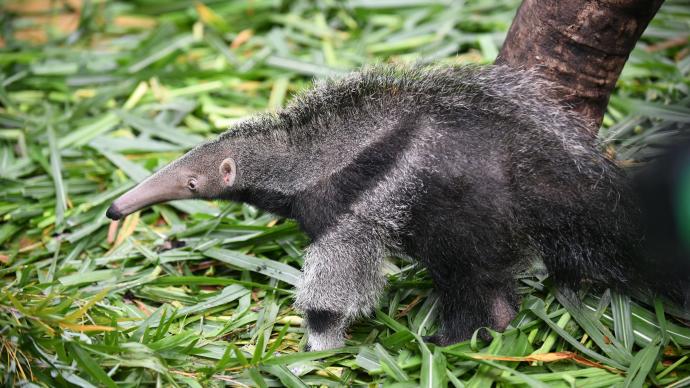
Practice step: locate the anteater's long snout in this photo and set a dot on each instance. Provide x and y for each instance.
(143, 195)
(153, 190)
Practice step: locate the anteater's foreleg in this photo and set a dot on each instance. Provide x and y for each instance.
(342, 279)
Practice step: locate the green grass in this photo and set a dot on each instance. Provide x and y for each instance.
(199, 294)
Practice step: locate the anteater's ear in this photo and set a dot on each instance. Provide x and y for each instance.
(228, 171)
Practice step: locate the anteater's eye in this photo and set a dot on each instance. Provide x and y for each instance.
(192, 184)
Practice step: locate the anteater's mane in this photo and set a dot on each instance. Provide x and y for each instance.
(381, 90)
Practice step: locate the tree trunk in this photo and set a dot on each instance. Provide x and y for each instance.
(580, 45)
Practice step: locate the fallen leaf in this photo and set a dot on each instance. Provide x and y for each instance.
(112, 231)
(210, 17)
(241, 38)
(128, 227)
(547, 357)
(76, 327)
(142, 307)
(135, 22)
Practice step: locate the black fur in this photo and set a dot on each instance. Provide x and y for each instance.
(318, 321)
(662, 186)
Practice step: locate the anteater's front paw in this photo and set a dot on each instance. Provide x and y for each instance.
(326, 330)
(317, 342)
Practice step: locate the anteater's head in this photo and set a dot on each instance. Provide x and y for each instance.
(206, 172)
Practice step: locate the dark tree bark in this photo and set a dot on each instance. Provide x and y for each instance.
(580, 45)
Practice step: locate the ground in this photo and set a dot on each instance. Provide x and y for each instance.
(96, 95)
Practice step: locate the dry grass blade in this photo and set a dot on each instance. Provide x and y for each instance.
(548, 357)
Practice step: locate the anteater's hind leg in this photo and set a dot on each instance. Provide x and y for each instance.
(471, 298)
(473, 274)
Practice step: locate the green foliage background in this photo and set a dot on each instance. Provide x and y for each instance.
(95, 95)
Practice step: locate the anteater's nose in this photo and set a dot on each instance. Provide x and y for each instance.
(113, 213)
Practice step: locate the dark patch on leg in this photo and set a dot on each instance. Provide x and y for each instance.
(319, 321)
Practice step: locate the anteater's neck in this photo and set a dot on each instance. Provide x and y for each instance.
(270, 174)
(306, 172)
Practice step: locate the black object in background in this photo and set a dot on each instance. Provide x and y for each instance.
(663, 187)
